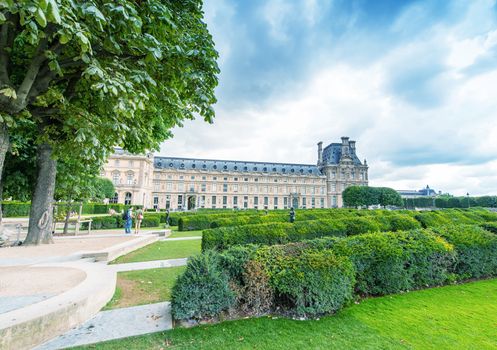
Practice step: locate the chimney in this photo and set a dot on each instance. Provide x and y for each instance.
(345, 146)
(352, 147)
(320, 152)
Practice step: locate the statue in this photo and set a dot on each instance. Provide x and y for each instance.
(292, 215)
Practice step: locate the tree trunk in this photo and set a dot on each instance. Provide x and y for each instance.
(41, 213)
(68, 216)
(4, 147)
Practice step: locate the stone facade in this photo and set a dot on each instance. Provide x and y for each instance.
(186, 184)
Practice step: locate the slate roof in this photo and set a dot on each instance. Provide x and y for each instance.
(333, 152)
(235, 166)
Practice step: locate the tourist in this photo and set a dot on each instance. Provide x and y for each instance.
(138, 222)
(128, 220)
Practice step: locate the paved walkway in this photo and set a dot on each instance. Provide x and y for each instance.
(115, 324)
(148, 265)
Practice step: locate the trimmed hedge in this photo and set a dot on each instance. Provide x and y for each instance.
(307, 281)
(202, 290)
(476, 248)
(116, 221)
(317, 276)
(271, 233)
(15, 209)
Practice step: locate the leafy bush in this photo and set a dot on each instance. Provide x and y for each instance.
(308, 282)
(490, 226)
(202, 291)
(392, 262)
(150, 221)
(270, 233)
(359, 225)
(15, 209)
(476, 250)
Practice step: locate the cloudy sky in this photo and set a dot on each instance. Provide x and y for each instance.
(414, 82)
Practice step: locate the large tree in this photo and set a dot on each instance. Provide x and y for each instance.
(94, 74)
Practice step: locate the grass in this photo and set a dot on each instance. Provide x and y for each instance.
(162, 250)
(175, 233)
(452, 317)
(144, 287)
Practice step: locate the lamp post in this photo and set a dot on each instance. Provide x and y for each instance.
(467, 195)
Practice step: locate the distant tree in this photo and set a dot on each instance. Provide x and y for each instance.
(355, 196)
(388, 196)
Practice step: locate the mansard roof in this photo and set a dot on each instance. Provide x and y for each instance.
(333, 153)
(235, 166)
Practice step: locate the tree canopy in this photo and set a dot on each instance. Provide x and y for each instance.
(91, 75)
(358, 196)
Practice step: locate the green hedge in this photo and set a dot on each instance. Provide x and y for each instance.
(270, 233)
(116, 221)
(202, 290)
(15, 209)
(307, 282)
(476, 249)
(321, 275)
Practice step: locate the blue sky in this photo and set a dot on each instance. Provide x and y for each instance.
(414, 82)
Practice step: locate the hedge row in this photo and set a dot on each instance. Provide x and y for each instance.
(426, 218)
(322, 275)
(281, 233)
(116, 221)
(18, 209)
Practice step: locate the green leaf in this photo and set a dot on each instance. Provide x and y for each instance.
(9, 92)
(40, 18)
(53, 9)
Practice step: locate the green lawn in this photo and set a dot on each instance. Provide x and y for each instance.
(144, 287)
(175, 233)
(453, 317)
(162, 250)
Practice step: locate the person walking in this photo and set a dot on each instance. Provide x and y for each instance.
(128, 220)
(138, 222)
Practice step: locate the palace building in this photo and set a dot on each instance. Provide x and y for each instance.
(186, 184)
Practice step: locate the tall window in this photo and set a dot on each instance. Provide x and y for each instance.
(191, 188)
(313, 202)
(225, 187)
(214, 187)
(235, 202)
(256, 202)
(245, 201)
(303, 202)
(202, 202)
(169, 186)
(266, 202)
(322, 203)
(235, 188)
(156, 202)
(127, 198)
(180, 201)
(275, 202)
(203, 186)
(130, 177)
(225, 201)
(213, 202)
(116, 178)
(168, 201)
(285, 202)
(181, 187)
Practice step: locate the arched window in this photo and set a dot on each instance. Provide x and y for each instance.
(127, 198)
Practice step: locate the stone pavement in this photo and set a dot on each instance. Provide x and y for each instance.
(115, 324)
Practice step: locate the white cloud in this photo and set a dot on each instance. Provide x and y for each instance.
(450, 144)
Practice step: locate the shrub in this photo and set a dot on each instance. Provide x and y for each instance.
(256, 297)
(359, 225)
(15, 209)
(392, 262)
(150, 221)
(270, 233)
(402, 223)
(490, 226)
(476, 250)
(202, 291)
(308, 282)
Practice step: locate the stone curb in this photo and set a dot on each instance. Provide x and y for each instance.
(32, 325)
